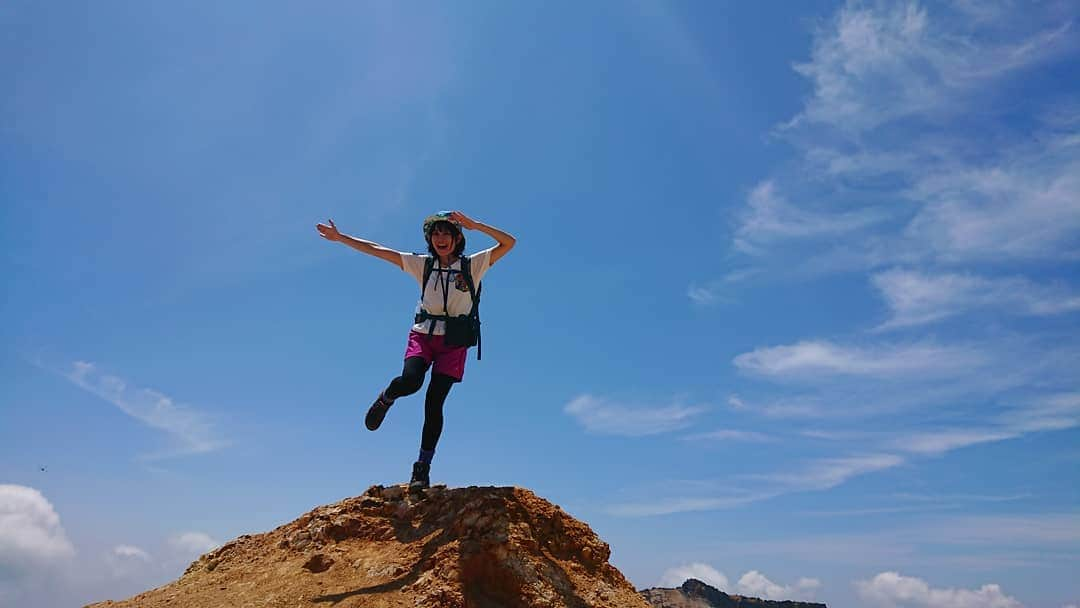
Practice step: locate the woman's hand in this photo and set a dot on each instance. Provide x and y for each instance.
(330, 232)
(465, 221)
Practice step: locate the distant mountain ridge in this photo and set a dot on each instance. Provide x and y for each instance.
(696, 594)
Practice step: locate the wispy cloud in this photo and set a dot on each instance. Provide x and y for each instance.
(687, 504)
(730, 435)
(873, 64)
(961, 497)
(599, 415)
(815, 475)
(940, 442)
(1009, 374)
(1049, 413)
(1047, 529)
(828, 473)
(191, 430)
(703, 295)
(818, 358)
(770, 217)
(916, 298)
(885, 79)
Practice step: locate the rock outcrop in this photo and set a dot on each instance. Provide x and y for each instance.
(696, 594)
(476, 547)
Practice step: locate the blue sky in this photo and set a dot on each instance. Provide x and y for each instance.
(793, 308)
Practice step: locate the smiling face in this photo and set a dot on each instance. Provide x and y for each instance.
(444, 239)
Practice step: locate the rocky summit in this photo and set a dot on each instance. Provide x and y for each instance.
(696, 594)
(476, 547)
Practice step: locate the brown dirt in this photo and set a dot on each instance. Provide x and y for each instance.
(476, 547)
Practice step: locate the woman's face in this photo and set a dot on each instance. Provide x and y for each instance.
(443, 239)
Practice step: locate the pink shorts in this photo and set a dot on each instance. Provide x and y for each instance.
(449, 360)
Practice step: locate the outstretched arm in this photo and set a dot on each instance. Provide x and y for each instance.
(331, 233)
(506, 242)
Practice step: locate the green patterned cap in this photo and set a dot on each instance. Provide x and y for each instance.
(441, 216)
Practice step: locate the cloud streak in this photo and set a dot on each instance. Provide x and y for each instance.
(916, 298)
(191, 429)
(771, 218)
(815, 359)
(890, 177)
(599, 415)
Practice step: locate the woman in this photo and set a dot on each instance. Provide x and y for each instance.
(446, 296)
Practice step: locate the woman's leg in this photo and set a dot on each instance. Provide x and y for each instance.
(410, 380)
(438, 389)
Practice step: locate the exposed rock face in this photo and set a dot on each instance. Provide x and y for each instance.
(476, 547)
(696, 594)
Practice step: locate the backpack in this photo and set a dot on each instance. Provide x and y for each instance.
(462, 330)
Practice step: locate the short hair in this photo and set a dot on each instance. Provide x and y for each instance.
(453, 229)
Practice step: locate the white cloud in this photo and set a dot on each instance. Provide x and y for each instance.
(703, 295)
(916, 298)
(730, 435)
(1004, 210)
(892, 590)
(31, 536)
(874, 64)
(192, 544)
(756, 584)
(1050, 413)
(828, 473)
(131, 552)
(888, 133)
(817, 475)
(675, 577)
(190, 428)
(127, 560)
(939, 442)
(751, 584)
(770, 217)
(676, 504)
(821, 359)
(601, 416)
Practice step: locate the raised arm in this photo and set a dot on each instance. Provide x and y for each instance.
(331, 233)
(506, 242)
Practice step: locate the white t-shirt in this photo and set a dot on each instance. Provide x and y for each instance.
(458, 300)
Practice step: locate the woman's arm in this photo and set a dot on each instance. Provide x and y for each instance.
(506, 242)
(331, 233)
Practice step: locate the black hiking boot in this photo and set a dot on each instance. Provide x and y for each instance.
(421, 476)
(377, 412)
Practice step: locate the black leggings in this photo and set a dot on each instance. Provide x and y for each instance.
(410, 381)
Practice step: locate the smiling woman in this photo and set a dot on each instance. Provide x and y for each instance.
(446, 322)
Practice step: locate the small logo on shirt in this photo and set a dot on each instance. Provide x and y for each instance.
(459, 282)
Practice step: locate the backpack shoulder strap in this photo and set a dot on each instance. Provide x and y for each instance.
(429, 265)
(474, 292)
